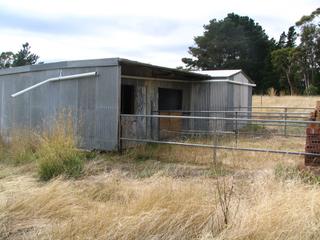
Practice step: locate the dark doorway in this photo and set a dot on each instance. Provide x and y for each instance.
(127, 99)
(170, 99)
(170, 102)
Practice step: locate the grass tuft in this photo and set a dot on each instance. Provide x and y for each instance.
(21, 149)
(57, 153)
(287, 172)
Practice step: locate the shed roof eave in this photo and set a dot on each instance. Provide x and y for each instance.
(61, 65)
(178, 71)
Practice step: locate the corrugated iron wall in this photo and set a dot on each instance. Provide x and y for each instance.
(93, 103)
(146, 102)
(220, 96)
(210, 97)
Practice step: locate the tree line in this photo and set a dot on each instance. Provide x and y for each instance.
(290, 65)
(21, 58)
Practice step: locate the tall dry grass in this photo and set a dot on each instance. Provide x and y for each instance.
(113, 207)
(285, 101)
(57, 151)
(230, 159)
(21, 147)
(271, 92)
(54, 150)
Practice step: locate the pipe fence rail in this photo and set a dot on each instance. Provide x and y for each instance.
(297, 114)
(221, 129)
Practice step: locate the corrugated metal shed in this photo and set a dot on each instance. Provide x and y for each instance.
(92, 101)
(95, 101)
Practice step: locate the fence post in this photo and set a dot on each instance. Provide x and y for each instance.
(215, 141)
(151, 122)
(120, 148)
(236, 128)
(285, 123)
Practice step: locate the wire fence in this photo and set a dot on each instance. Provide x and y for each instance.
(239, 130)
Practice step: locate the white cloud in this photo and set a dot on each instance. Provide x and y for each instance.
(152, 31)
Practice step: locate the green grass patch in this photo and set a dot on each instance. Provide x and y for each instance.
(57, 153)
(253, 128)
(286, 172)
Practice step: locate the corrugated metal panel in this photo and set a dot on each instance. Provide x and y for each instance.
(107, 108)
(196, 97)
(219, 102)
(211, 96)
(249, 97)
(146, 101)
(93, 103)
(200, 101)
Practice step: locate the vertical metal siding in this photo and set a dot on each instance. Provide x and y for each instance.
(210, 96)
(107, 108)
(92, 102)
(146, 101)
(218, 102)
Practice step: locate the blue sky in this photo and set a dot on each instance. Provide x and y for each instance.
(157, 32)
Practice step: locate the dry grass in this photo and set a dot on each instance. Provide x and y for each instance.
(21, 148)
(53, 151)
(114, 207)
(276, 210)
(271, 92)
(286, 101)
(166, 192)
(57, 152)
(230, 159)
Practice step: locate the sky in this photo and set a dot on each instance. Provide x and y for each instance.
(151, 31)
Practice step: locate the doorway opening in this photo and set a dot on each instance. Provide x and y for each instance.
(170, 103)
(127, 99)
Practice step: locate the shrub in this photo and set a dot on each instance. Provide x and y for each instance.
(311, 90)
(57, 153)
